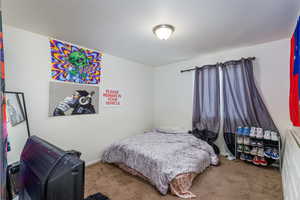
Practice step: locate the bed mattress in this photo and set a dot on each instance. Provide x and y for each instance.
(162, 158)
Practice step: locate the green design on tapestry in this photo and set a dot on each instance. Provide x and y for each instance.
(79, 60)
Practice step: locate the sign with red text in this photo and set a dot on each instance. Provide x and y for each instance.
(112, 97)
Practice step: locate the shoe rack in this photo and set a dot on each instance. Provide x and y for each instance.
(257, 146)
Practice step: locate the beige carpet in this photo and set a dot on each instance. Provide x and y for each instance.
(232, 180)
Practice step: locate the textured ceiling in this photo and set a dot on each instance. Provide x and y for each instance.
(124, 28)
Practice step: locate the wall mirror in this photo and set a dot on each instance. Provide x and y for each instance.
(17, 124)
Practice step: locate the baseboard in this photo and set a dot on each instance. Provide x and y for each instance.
(87, 164)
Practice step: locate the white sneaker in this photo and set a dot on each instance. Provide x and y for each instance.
(240, 140)
(267, 135)
(260, 133)
(253, 132)
(274, 136)
(246, 140)
(254, 151)
(260, 152)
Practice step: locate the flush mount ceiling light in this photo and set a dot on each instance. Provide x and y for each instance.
(163, 31)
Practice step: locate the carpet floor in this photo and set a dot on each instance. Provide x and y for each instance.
(231, 180)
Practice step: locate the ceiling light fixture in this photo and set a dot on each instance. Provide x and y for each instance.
(163, 31)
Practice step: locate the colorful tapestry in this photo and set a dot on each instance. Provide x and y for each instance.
(74, 64)
(294, 77)
(3, 130)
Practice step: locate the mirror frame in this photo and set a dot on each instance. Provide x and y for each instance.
(25, 110)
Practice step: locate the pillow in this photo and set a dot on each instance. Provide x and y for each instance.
(172, 130)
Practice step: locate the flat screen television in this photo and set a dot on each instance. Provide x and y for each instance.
(49, 173)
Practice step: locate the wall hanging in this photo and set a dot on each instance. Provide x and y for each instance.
(112, 97)
(294, 76)
(74, 64)
(73, 99)
(14, 109)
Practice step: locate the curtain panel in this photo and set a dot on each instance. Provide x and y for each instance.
(206, 106)
(243, 104)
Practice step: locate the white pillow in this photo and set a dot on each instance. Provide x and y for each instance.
(172, 130)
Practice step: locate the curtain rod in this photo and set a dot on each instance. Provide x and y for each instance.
(192, 69)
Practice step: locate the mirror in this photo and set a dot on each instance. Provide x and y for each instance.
(17, 125)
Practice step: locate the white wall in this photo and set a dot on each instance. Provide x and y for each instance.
(17, 138)
(173, 91)
(27, 58)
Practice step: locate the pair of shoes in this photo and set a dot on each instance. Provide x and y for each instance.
(271, 153)
(256, 133)
(259, 133)
(255, 143)
(256, 151)
(271, 135)
(259, 161)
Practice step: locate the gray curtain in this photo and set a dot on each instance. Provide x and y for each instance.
(206, 110)
(243, 105)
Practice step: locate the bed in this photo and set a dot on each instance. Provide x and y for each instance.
(169, 161)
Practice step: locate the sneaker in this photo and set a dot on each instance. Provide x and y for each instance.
(253, 132)
(256, 160)
(248, 158)
(246, 140)
(260, 152)
(246, 131)
(254, 151)
(263, 162)
(242, 157)
(274, 136)
(240, 140)
(268, 152)
(259, 133)
(246, 149)
(253, 143)
(240, 130)
(267, 135)
(275, 154)
(259, 143)
(240, 148)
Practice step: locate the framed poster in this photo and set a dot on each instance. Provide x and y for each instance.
(73, 99)
(112, 97)
(14, 109)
